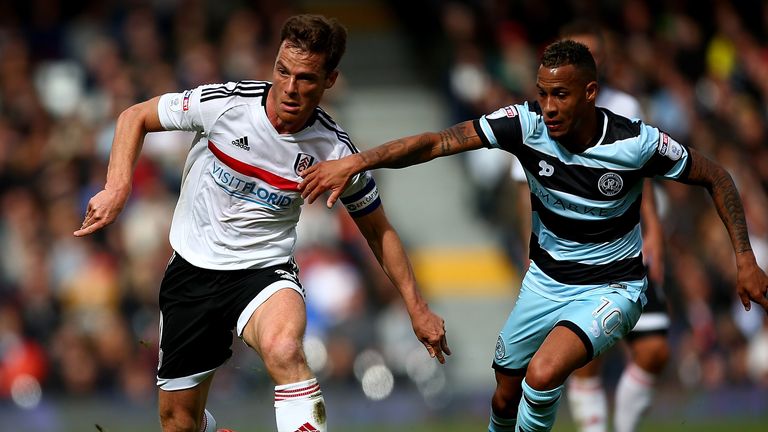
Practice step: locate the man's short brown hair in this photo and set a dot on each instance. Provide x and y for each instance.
(318, 35)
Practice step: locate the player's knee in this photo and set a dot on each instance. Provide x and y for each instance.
(281, 353)
(544, 374)
(504, 403)
(175, 419)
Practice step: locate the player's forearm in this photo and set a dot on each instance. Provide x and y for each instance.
(390, 253)
(725, 196)
(399, 153)
(731, 210)
(132, 126)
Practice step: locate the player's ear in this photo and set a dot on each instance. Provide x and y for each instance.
(591, 91)
(330, 80)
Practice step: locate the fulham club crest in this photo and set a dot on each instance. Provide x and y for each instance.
(303, 161)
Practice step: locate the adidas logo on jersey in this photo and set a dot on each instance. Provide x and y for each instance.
(242, 143)
(306, 427)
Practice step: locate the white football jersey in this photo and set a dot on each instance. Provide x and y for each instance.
(239, 202)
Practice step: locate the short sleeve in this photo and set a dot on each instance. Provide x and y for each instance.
(505, 128)
(664, 156)
(198, 109)
(361, 197)
(181, 111)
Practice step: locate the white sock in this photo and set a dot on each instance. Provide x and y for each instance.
(209, 423)
(588, 403)
(299, 407)
(633, 397)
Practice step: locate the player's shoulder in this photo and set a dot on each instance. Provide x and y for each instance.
(620, 128)
(325, 124)
(234, 92)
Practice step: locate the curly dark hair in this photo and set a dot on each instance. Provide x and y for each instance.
(569, 52)
(318, 35)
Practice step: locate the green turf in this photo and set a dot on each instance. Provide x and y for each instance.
(716, 426)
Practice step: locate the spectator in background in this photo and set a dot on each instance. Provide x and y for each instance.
(584, 289)
(234, 228)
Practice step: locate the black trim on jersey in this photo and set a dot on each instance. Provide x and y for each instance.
(619, 127)
(580, 333)
(481, 134)
(509, 371)
(576, 273)
(267, 89)
(326, 121)
(241, 88)
(588, 231)
(660, 165)
(579, 180)
(507, 130)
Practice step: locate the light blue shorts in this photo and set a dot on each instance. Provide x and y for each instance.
(600, 318)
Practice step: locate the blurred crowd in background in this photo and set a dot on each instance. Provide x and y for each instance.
(79, 317)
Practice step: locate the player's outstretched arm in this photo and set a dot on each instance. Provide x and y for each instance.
(132, 125)
(752, 283)
(334, 175)
(389, 251)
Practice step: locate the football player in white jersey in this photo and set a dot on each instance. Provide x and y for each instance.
(585, 285)
(234, 227)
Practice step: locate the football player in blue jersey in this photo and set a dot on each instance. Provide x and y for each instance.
(585, 286)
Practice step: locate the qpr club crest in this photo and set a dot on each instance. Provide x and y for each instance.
(303, 161)
(610, 184)
(500, 350)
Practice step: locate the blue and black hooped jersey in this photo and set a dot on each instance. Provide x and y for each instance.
(586, 206)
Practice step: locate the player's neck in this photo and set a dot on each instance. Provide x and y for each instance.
(588, 135)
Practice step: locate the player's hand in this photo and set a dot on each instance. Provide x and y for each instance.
(752, 284)
(430, 330)
(326, 176)
(102, 210)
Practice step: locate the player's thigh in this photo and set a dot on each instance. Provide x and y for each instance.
(562, 352)
(281, 317)
(531, 319)
(600, 320)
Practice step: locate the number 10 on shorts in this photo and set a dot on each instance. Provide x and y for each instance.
(609, 318)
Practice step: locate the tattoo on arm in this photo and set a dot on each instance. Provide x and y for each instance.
(458, 138)
(725, 196)
(418, 149)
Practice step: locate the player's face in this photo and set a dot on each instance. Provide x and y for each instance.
(299, 80)
(566, 99)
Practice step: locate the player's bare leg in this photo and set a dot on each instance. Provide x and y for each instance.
(182, 410)
(634, 393)
(504, 403)
(275, 331)
(561, 353)
(587, 399)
